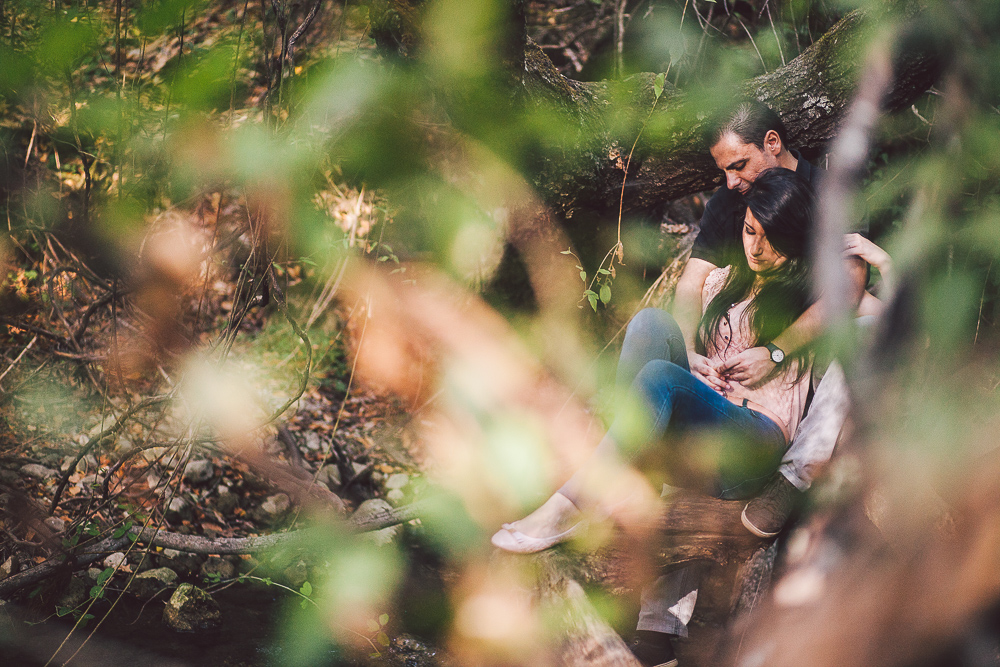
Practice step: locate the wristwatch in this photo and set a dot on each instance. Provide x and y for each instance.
(777, 354)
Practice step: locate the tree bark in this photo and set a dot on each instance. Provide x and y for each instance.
(580, 173)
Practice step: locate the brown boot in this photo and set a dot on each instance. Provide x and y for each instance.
(765, 515)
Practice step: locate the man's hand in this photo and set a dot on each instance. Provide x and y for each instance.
(748, 367)
(704, 370)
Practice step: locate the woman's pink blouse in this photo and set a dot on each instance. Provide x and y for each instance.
(784, 394)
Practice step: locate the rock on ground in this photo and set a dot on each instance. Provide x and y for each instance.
(38, 471)
(276, 505)
(8, 568)
(178, 509)
(56, 524)
(179, 561)
(146, 585)
(329, 475)
(74, 594)
(373, 507)
(296, 574)
(191, 609)
(223, 567)
(115, 560)
(198, 472)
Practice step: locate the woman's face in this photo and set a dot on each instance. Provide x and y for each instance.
(760, 255)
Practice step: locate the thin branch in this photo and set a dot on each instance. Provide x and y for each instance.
(14, 363)
(753, 42)
(106, 434)
(279, 299)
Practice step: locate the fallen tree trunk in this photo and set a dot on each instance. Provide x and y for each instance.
(580, 173)
(83, 558)
(695, 529)
(589, 640)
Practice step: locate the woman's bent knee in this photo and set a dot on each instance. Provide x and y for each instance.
(652, 321)
(662, 373)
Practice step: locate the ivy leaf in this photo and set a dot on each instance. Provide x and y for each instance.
(383, 619)
(62, 611)
(592, 298)
(382, 639)
(583, 277)
(96, 592)
(660, 80)
(306, 589)
(605, 294)
(105, 575)
(604, 272)
(373, 625)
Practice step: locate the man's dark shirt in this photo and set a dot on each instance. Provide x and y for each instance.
(720, 240)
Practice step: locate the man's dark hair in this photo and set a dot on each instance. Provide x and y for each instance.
(750, 121)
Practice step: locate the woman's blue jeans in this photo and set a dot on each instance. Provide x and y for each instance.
(653, 371)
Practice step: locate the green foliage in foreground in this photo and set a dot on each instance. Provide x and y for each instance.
(110, 120)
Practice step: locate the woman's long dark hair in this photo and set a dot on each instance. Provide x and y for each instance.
(782, 202)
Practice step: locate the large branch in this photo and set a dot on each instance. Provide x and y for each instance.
(194, 544)
(810, 93)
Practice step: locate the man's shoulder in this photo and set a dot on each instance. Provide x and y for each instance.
(722, 201)
(806, 169)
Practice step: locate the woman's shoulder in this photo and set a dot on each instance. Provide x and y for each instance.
(713, 284)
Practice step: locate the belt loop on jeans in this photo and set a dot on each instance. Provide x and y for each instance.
(744, 402)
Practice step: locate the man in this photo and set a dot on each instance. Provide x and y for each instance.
(745, 142)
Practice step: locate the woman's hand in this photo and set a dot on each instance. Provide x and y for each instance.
(856, 245)
(748, 367)
(704, 370)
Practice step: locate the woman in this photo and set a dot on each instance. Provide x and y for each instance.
(748, 304)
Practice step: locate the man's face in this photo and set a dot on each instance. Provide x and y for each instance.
(741, 162)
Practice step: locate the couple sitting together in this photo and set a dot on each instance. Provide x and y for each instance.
(743, 371)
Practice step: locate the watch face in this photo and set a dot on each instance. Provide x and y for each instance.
(777, 356)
